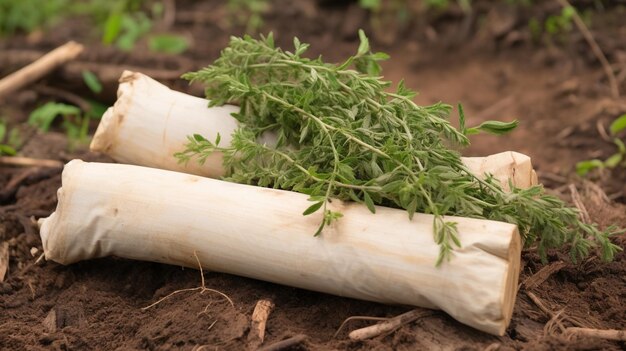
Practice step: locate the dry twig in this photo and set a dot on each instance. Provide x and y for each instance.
(39, 68)
(389, 325)
(201, 288)
(29, 162)
(608, 334)
(608, 70)
(108, 73)
(357, 318)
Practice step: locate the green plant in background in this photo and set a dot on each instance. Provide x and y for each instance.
(556, 25)
(75, 123)
(248, 13)
(92, 81)
(10, 139)
(29, 15)
(168, 43)
(125, 25)
(129, 21)
(342, 133)
(121, 23)
(95, 109)
(615, 160)
(561, 23)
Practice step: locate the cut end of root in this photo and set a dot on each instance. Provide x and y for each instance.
(107, 131)
(511, 279)
(102, 138)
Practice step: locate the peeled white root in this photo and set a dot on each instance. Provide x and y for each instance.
(150, 122)
(162, 216)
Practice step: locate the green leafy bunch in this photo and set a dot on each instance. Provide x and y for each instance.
(341, 134)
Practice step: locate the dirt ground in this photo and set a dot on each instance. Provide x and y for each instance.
(558, 92)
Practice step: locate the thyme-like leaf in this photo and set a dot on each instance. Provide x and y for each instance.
(342, 134)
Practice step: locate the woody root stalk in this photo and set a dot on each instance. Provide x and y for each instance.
(333, 184)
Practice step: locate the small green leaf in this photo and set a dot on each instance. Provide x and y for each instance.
(613, 161)
(270, 40)
(304, 133)
(112, 28)
(618, 125)
(380, 56)
(584, 167)
(364, 46)
(218, 138)
(493, 127)
(3, 131)
(368, 202)
(320, 228)
(7, 150)
(412, 207)
(316, 206)
(442, 256)
(462, 119)
(92, 81)
(199, 138)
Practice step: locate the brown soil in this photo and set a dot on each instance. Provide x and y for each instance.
(558, 93)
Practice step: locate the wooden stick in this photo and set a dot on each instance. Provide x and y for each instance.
(29, 162)
(595, 48)
(388, 326)
(285, 344)
(39, 68)
(261, 312)
(608, 334)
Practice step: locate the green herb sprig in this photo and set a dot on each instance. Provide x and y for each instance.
(341, 134)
